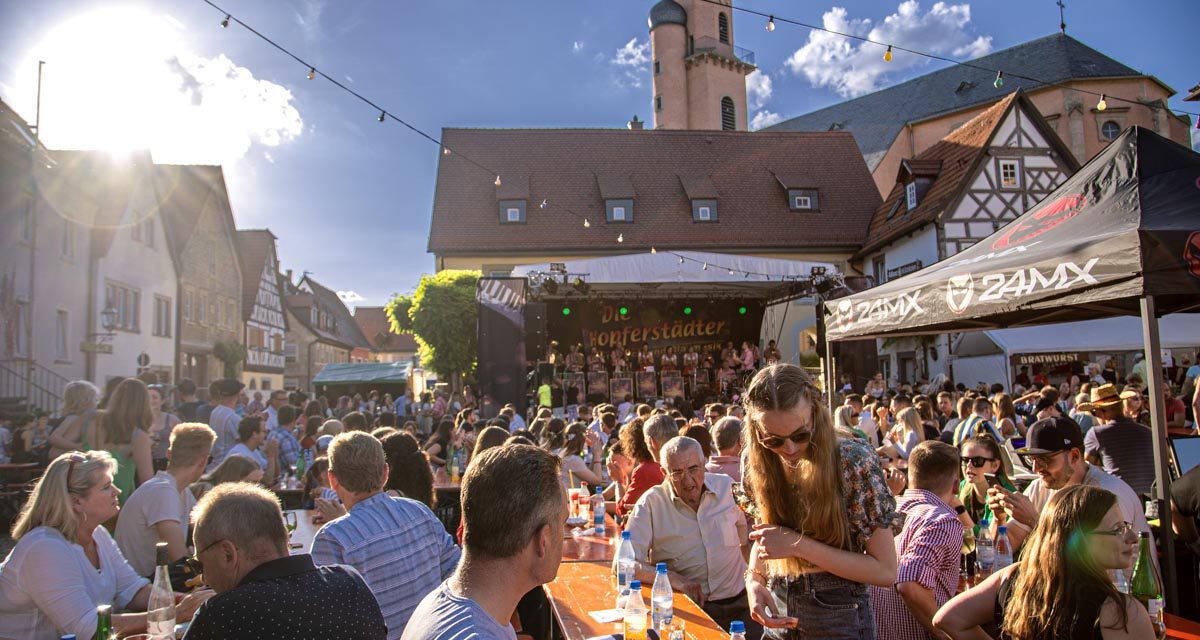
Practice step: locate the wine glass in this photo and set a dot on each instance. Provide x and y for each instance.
(289, 521)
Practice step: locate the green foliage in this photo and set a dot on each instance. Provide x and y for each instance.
(442, 315)
(232, 354)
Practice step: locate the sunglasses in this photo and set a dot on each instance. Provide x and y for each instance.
(976, 461)
(1122, 530)
(74, 459)
(799, 436)
(194, 564)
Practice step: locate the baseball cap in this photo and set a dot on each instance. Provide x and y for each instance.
(226, 387)
(1051, 435)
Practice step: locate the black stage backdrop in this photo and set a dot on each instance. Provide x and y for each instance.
(501, 345)
(659, 323)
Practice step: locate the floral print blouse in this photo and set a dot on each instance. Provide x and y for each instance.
(869, 503)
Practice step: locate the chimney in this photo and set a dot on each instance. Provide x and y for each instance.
(635, 124)
(289, 277)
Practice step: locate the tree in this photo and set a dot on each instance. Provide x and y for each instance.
(231, 354)
(442, 315)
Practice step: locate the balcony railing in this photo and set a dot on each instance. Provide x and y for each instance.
(743, 54)
(714, 46)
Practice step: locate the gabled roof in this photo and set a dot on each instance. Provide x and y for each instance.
(952, 162)
(345, 331)
(571, 169)
(877, 118)
(374, 324)
(255, 248)
(185, 191)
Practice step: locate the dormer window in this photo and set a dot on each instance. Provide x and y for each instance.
(619, 210)
(910, 196)
(802, 199)
(512, 211)
(704, 210)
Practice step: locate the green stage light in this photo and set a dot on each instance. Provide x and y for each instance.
(566, 311)
(742, 310)
(687, 311)
(624, 311)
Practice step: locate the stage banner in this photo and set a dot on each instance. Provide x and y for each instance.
(701, 324)
(647, 385)
(501, 344)
(621, 387)
(672, 385)
(597, 388)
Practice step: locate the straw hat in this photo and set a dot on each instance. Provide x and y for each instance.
(1102, 397)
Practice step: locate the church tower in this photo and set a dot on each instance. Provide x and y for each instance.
(699, 75)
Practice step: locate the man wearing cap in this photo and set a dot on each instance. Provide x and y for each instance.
(1054, 448)
(224, 420)
(1118, 444)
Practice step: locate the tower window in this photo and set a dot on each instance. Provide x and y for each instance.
(1110, 130)
(658, 103)
(723, 27)
(728, 114)
(657, 69)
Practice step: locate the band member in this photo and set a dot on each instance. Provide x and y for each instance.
(645, 358)
(670, 361)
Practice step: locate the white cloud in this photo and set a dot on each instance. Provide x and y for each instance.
(577, 46)
(350, 297)
(758, 89)
(309, 20)
(632, 62)
(764, 119)
(183, 107)
(852, 68)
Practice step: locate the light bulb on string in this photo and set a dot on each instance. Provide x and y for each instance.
(445, 151)
(681, 257)
(771, 23)
(653, 250)
(382, 116)
(1102, 105)
(312, 72)
(887, 55)
(620, 237)
(705, 267)
(999, 81)
(731, 272)
(497, 181)
(542, 205)
(586, 224)
(225, 22)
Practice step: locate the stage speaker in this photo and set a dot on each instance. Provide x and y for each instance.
(545, 372)
(535, 331)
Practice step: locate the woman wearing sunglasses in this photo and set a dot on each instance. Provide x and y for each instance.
(1061, 587)
(65, 564)
(825, 514)
(981, 456)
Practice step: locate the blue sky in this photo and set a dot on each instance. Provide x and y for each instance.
(349, 197)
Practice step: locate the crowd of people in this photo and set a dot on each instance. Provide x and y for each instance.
(799, 519)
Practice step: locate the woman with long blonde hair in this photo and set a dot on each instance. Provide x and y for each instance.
(123, 431)
(824, 510)
(80, 399)
(1061, 588)
(907, 434)
(1007, 420)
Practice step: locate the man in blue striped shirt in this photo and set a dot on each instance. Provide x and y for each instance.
(397, 544)
(979, 423)
(283, 433)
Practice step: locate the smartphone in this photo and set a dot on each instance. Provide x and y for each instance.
(991, 479)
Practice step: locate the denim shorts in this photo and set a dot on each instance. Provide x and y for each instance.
(827, 607)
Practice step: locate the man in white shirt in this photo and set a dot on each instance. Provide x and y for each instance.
(691, 523)
(158, 510)
(251, 435)
(223, 419)
(278, 399)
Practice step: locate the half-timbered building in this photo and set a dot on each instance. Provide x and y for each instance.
(262, 311)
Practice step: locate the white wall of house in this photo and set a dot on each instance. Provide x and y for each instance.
(142, 266)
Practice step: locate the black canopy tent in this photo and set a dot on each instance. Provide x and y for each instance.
(1120, 237)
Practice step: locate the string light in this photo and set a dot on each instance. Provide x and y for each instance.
(312, 72)
(225, 22)
(705, 266)
(653, 250)
(999, 82)
(1102, 105)
(680, 259)
(586, 224)
(542, 205)
(382, 116)
(731, 272)
(620, 237)
(497, 181)
(771, 23)
(887, 55)
(445, 151)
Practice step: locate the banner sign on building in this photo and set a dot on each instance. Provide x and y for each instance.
(706, 326)
(1051, 359)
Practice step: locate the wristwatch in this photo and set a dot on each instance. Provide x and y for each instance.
(960, 509)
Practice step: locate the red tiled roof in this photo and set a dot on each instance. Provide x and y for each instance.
(375, 326)
(951, 162)
(567, 168)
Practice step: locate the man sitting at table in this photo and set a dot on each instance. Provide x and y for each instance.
(691, 522)
(262, 592)
(251, 435)
(158, 510)
(514, 511)
(397, 544)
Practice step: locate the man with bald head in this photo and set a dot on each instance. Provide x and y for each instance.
(691, 523)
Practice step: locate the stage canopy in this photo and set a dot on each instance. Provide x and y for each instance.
(1127, 225)
(648, 274)
(1178, 331)
(350, 373)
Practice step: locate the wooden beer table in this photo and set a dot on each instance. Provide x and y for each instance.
(591, 547)
(1181, 628)
(305, 531)
(581, 587)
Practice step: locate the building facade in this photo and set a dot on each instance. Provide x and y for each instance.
(262, 310)
(203, 241)
(320, 331)
(386, 345)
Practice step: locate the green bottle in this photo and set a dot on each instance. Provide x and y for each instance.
(104, 628)
(1146, 586)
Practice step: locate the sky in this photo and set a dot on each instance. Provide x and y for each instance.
(350, 198)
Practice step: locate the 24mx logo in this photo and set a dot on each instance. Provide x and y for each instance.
(959, 292)
(891, 310)
(998, 287)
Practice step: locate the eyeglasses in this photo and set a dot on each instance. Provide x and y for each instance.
(73, 459)
(194, 564)
(1043, 459)
(799, 436)
(677, 474)
(976, 461)
(1122, 530)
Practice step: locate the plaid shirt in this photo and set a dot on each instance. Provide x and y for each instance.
(399, 547)
(929, 552)
(289, 447)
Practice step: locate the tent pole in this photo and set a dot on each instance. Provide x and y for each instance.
(829, 381)
(1162, 474)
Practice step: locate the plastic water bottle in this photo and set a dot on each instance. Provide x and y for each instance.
(985, 551)
(1004, 555)
(635, 613)
(662, 600)
(626, 561)
(737, 630)
(598, 511)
